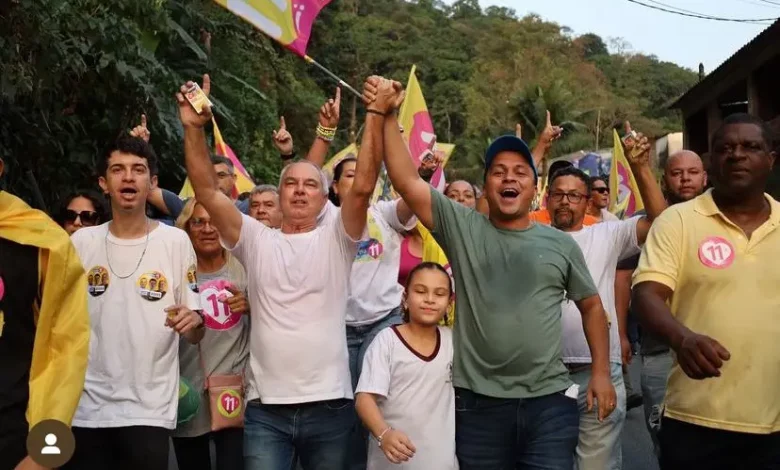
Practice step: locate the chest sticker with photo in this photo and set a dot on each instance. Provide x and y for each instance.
(716, 252)
(371, 249)
(97, 281)
(216, 313)
(152, 285)
(192, 279)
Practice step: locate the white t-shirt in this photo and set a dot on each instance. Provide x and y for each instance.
(374, 288)
(603, 245)
(133, 370)
(298, 286)
(607, 216)
(417, 398)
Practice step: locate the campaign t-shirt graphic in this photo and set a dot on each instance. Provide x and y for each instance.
(216, 313)
(371, 249)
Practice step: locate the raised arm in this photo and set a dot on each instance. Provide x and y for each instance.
(354, 206)
(224, 214)
(637, 152)
(405, 178)
(328, 123)
(546, 138)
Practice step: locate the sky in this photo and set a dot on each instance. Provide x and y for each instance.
(684, 41)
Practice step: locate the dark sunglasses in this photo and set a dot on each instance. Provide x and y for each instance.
(601, 190)
(87, 217)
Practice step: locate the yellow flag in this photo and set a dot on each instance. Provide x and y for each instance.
(625, 199)
(243, 182)
(418, 127)
(433, 253)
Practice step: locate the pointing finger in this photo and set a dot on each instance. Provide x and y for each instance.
(282, 124)
(627, 126)
(206, 84)
(549, 123)
(519, 131)
(143, 120)
(338, 96)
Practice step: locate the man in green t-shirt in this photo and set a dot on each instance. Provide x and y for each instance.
(515, 404)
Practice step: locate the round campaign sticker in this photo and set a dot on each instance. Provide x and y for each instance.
(192, 279)
(152, 285)
(97, 281)
(716, 252)
(229, 403)
(217, 314)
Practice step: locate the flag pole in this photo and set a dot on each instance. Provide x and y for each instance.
(333, 76)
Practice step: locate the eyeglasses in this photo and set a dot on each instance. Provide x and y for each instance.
(196, 223)
(573, 198)
(224, 174)
(87, 217)
(601, 190)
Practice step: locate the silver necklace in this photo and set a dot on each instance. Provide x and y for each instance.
(108, 259)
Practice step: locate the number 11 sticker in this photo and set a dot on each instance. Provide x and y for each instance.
(716, 252)
(217, 314)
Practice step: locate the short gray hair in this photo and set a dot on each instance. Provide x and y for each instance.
(323, 177)
(264, 188)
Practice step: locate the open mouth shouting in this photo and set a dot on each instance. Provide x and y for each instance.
(128, 193)
(509, 194)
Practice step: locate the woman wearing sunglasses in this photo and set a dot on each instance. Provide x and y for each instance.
(81, 209)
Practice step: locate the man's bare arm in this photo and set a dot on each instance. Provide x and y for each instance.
(404, 176)
(224, 214)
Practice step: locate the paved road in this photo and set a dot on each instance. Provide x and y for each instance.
(637, 446)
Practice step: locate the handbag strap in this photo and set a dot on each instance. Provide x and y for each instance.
(206, 376)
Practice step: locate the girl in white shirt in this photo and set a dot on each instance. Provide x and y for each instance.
(405, 396)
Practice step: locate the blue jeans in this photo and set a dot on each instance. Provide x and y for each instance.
(655, 372)
(315, 433)
(512, 433)
(599, 445)
(358, 340)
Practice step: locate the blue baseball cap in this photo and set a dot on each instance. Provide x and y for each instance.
(509, 143)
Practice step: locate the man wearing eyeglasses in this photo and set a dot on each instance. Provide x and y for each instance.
(599, 200)
(603, 245)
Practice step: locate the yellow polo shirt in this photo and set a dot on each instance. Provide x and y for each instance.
(726, 287)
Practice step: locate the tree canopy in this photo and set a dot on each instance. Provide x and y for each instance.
(76, 73)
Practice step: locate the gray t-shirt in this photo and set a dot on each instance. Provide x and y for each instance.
(225, 345)
(510, 285)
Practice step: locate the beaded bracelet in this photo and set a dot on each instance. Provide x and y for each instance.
(381, 435)
(326, 133)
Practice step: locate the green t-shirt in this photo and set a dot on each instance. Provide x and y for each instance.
(509, 286)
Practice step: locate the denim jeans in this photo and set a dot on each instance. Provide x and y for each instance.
(317, 434)
(512, 433)
(599, 445)
(655, 372)
(358, 340)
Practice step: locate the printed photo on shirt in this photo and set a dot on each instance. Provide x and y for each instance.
(152, 285)
(192, 279)
(97, 281)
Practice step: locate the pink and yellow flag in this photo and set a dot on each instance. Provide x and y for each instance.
(243, 180)
(625, 199)
(287, 21)
(418, 127)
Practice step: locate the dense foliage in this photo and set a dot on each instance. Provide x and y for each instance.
(75, 73)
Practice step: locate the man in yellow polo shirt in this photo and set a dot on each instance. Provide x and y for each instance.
(707, 285)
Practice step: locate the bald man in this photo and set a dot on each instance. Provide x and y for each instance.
(684, 179)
